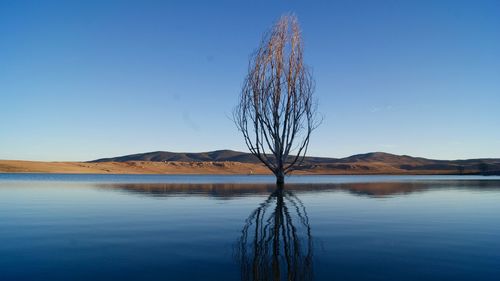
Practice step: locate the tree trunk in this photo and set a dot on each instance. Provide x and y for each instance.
(280, 179)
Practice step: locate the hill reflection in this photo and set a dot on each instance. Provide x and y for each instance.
(228, 191)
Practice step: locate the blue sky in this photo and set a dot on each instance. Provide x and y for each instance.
(81, 80)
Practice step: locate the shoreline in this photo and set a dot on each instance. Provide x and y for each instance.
(206, 168)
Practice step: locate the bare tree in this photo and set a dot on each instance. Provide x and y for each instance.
(276, 112)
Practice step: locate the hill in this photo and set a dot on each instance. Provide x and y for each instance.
(373, 162)
(162, 156)
(235, 162)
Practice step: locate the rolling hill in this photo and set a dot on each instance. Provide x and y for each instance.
(370, 163)
(235, 162)
(162, 156)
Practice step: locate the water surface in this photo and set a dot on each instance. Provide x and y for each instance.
(122, 227)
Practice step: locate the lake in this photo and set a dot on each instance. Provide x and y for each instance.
(160, 227)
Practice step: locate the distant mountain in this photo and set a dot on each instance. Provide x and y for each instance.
(373, 162)
(162, 156)
(213, 156)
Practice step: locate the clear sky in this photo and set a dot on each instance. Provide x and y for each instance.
(81, 80)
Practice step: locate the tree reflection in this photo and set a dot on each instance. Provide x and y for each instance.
(276, 241)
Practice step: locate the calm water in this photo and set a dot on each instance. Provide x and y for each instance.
(105, 227)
